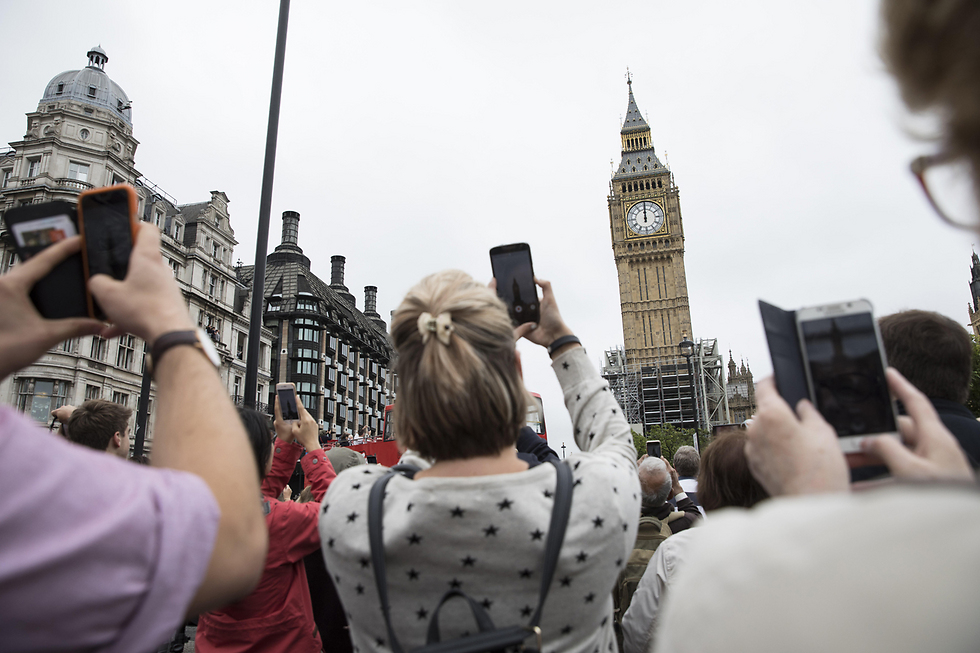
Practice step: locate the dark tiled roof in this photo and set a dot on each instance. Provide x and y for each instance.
(344, 319)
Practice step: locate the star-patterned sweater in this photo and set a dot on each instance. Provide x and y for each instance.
(485, 535)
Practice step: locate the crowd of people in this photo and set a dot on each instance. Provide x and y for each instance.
(484, 539)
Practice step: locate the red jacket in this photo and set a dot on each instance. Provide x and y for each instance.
(277, 616)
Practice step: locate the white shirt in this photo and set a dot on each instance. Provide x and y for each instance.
(889, 570)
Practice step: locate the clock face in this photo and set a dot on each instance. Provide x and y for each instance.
(645, 218)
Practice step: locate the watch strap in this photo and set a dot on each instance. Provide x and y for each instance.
(170, 340)
(561, 342)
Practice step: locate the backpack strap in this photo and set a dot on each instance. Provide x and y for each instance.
(375, 511)
(560, 512)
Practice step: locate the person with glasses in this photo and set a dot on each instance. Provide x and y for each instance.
(893, 568)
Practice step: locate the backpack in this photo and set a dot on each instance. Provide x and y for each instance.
(490, 638)
(651, 533)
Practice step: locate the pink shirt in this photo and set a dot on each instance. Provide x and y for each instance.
(95, 552)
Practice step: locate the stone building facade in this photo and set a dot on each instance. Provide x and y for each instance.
(654, 382)
(741, 391)
(338, 357)
(648, 246)
(973, 308)
(81, 137)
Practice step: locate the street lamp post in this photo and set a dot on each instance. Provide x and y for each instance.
(687, 351)
(563, 451)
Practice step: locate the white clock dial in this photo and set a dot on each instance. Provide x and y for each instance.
(645, 218)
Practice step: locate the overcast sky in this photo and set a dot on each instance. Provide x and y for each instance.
(415, 136)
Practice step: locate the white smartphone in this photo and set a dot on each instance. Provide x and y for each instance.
(288, 402)
(845, 369)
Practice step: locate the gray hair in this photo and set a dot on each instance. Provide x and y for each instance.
(655, 492)
(687, 461)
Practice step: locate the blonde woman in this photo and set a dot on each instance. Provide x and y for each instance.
(477, 518)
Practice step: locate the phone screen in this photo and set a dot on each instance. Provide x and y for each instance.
(108, 233)
(653, 449)
(34, 235)
(847, 375)
(515, 281)
(287, 404)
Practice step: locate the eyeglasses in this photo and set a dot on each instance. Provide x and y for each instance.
(947, 180)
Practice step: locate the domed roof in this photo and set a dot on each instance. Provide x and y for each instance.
(91, 86)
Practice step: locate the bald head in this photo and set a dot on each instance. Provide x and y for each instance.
(654, 482)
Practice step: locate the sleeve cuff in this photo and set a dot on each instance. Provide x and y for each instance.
(680, 496)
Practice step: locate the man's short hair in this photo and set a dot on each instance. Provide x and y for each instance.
(932, 351)
(95, 422)
(654, 495)
(687, 461)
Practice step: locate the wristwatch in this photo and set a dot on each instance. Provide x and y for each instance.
(196, 338)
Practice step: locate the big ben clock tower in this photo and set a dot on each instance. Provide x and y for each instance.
(648, 246)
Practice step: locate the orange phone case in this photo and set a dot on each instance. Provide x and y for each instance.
(133, 225)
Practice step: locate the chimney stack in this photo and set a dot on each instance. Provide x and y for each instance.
(290, 228)
(371, 301)
(337, 271)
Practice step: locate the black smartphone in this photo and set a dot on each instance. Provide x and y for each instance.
(36, 226)
(515, 281)
(845, 365)
(653, 449)
(287, 402)
(107, 222)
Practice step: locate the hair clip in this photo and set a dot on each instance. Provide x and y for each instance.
(441, 325)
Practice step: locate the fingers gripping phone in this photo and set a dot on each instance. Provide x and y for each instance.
(515, 281)
(108, 225)
(653, 449)
(288, 402)
(36, 226)
(845, 370)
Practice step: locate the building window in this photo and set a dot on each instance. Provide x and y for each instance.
(38, 397)
(309, 335)
(331, 375)
(78, 171)
(61, 88)
(264, 356)
(120, 398)
(240, 346)
(177, 227)
(307, 367)
(305, 305)
(92, 392)
(91, 91)
(98, 348)
(33, 167)
(212, 285)
(328, 407)
(306, 353)
(125, 352)
(158, 218)
(175, 266)
(5, 180)
(214, 250)
(238, 388)
(309, 401)
(84, 134)
(68, 345)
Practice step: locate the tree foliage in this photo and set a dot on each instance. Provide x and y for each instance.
(671, 439)
(973, 401)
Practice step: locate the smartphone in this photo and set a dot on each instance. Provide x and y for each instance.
(108, 224)
(515, 281)
(845, 366)
(288, 402)
(653, 449)
(36, 226)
